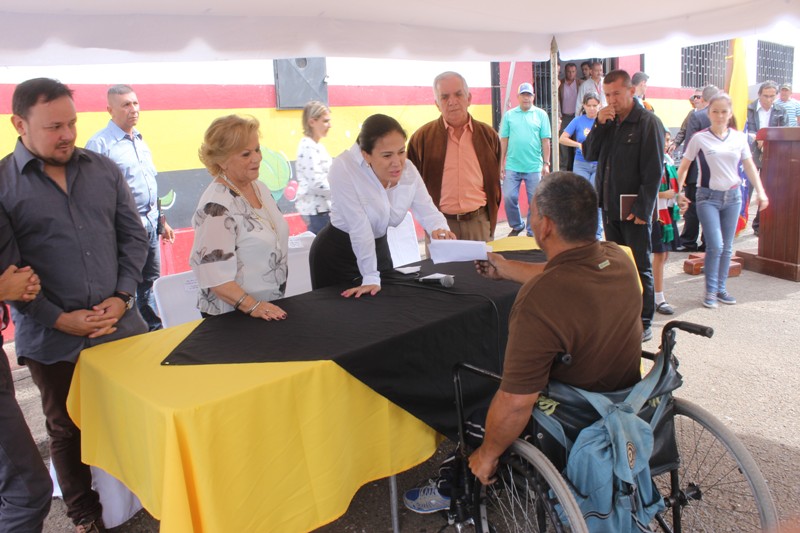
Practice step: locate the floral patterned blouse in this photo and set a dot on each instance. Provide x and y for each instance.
(312, 166)
(236, 242)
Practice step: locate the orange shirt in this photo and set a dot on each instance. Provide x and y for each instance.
(462, 180)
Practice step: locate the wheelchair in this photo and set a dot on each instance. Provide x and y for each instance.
(707, 478)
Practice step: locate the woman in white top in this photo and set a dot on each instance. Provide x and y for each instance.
(240, 237)
(373, 186)
(718, 151)
(313, 200)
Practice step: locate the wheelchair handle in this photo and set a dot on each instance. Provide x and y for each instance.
(689, 327)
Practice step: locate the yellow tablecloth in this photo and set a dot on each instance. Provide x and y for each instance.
(247, 448)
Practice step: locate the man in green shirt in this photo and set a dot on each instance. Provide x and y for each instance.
(525, 145)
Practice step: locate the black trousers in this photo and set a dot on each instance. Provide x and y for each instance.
(333, 262)
(637, 238)
(691, 224)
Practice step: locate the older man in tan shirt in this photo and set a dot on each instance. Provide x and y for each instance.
(459, 160)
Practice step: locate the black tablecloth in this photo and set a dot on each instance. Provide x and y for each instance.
(402, 343)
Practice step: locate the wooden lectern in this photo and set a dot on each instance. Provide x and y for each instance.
(779, 236)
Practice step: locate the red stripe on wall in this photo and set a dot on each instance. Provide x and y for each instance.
(166, 97)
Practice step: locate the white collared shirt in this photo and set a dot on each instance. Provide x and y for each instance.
(763, 116)
(361, 207)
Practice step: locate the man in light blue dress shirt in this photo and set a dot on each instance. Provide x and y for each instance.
(122, 143)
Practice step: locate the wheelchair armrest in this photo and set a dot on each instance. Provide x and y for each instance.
(478, 371)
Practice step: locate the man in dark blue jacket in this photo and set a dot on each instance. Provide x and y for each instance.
(627, 141)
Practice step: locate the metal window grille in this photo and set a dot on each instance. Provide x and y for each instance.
(774, 62)
(704, 64)
(541, 84)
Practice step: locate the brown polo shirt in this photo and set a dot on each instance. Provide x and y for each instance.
(587, 303)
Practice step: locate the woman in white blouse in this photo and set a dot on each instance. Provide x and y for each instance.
(373, 186)
(313, 162)
(240, 237)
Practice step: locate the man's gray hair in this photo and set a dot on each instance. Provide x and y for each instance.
(709, 91)
(444, 76)
(120, 89)
(638, 78)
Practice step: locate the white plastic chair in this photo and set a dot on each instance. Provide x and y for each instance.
(403, 243)
(176, 298)
(299, 271)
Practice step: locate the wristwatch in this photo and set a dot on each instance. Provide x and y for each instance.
(127, 299)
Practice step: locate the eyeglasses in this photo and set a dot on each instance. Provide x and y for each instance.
(694, 97)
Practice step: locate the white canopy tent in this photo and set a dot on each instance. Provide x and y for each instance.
(53, 32)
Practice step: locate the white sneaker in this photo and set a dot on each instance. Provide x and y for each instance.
(426, 499)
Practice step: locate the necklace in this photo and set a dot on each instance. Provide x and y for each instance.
(253, 210)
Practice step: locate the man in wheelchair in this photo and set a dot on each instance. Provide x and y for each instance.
(585, 301)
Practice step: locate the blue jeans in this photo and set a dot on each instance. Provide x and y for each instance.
(511, 193)
(589, 171)
(145, 299)
(718, 212)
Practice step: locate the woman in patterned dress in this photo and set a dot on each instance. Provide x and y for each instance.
(240, 245)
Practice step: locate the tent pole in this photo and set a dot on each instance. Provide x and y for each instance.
(509, 87)
(555, 164)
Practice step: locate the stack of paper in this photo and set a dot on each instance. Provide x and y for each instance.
(447, 251)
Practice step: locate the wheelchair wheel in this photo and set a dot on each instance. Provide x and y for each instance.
(529, 496)
(718, 486)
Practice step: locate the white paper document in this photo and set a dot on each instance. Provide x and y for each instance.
(447, 251)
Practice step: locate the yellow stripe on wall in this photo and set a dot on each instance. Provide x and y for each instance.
(175, 136)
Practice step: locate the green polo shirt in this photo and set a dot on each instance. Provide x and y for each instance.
(525, 131)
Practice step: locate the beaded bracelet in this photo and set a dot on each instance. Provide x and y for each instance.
(250, 312)
(239, 302)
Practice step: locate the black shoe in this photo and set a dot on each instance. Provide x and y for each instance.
(647, 334)
(665, 309)
(515, 232)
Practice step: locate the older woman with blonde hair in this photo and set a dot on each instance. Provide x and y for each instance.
(313, 162)
(240, 245)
